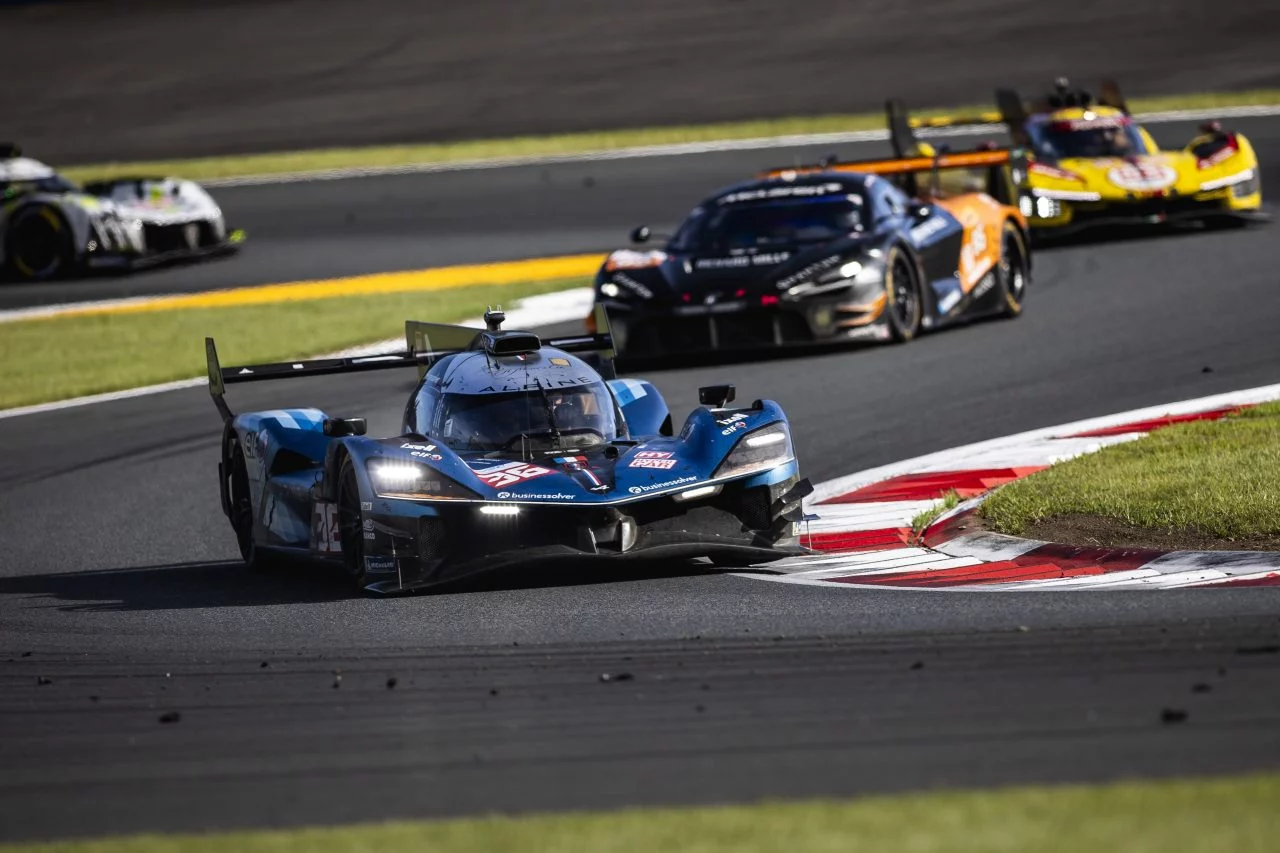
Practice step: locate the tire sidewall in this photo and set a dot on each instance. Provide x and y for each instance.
(1011, 305)
(65, 253)
(899, 331)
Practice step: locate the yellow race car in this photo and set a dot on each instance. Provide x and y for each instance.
(1090, 165)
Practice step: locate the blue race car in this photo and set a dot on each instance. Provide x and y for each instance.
(513, 450)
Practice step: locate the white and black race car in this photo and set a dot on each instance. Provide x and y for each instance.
(50, 227)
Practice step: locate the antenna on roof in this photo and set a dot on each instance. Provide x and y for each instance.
(494, 318)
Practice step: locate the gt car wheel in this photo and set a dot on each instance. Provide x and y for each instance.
(351, 523)
(242, 515)
(39, 244)
(1013, 272)
(902, 292)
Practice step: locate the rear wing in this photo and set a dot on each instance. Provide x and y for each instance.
(424, 344)
(1012, 111)
(995, 171)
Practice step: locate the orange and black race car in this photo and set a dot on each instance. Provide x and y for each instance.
(872, 249)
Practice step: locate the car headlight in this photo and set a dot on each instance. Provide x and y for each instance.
(759, 450)
(397, 478)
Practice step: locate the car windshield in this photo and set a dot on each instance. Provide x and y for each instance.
(532, 420)
(768, 224)
(48, 184)
(1101, 138)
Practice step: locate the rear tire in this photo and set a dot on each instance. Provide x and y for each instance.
(242, 521)
(904, 306)
(351, 523)
(39, 244)
(1013, 271)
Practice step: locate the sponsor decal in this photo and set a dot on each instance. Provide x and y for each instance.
(631, 259)
(263, 443)
(380, 564)
(787, 191)
(733, 423)
(367, 524)
(1142, 175)
(510, 473)
(653, 454)
(1053, 172)
(366, 505)
(624, 280)
(808, 272)
(423, 451)
(531, 496)
(679, 481)
(931, 227)
(425, 448)
(1222, 155)
(369, 534)
(658, 464)
(983, 286)
(762, 259)
(560, 362)
(324, 528)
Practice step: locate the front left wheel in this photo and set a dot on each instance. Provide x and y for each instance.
(351, 523)
(904, 305)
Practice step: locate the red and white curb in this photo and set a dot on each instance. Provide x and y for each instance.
(863, 526)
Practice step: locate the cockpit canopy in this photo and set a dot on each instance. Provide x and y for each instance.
(543, 401)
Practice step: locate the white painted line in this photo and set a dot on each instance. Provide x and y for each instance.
(687, 148)
(92, 399)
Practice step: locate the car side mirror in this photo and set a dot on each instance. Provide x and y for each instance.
(716, 396)
(920, 212)
(339, 427)
(640, 234)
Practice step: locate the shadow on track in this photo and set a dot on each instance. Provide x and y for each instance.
(184, 586)
(181, 586)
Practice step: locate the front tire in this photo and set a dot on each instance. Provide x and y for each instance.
(39, 244)
(242, 521)
(1013, 271)
(904, 306)
(351, 523)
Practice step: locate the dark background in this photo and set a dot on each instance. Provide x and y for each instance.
(93, 81)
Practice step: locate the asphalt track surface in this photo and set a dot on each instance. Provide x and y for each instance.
(153, 79)
(120, 584)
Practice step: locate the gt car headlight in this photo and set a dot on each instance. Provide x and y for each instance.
(394, 478)
(759, 450)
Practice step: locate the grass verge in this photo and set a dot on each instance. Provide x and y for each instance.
(63, 357)
(1192, 485)
(922, 520)
(1208, 816)
(289, 162)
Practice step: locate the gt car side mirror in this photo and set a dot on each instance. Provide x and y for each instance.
(920, 212)
(339, 427)
(716, 396)
(640, 234)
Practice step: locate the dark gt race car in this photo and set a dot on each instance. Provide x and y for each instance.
(874, 249)
(50, 227)
(512, 451)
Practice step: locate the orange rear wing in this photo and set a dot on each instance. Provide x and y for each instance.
(996, 171)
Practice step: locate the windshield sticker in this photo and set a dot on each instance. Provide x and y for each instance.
(510, 473)
(786, 191)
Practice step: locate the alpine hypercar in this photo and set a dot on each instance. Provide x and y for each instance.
(50, 227)
(839, 251)
(1090, 165)
(512, 450)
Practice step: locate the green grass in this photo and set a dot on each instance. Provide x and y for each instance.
(207, 168)
(66, 357)
(922, 520)
(1209, 816)
(1203, 479)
